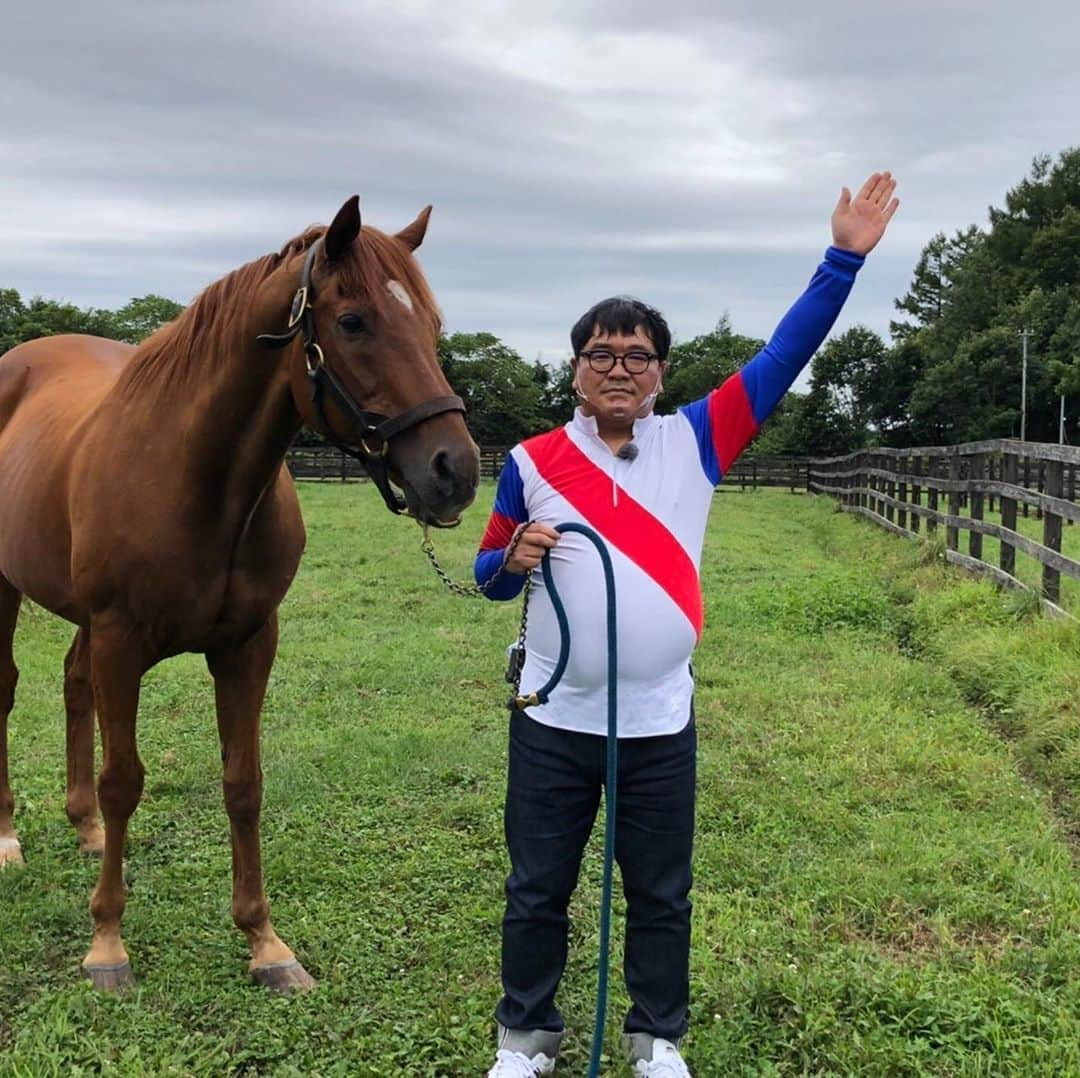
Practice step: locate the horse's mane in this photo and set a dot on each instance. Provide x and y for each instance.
(205, 333)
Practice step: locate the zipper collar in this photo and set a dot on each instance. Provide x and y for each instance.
(586, 424)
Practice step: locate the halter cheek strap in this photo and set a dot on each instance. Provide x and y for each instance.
(322, 381)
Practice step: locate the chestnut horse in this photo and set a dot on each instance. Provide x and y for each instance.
(144, 498)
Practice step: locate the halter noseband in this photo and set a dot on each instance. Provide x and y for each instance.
(366, 425)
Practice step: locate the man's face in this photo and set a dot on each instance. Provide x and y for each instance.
(617, 396)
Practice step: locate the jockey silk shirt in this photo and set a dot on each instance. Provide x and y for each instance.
(651, 512)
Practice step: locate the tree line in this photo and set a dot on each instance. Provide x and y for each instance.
(951, 373)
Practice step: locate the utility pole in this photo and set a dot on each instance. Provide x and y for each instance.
(1024, 334)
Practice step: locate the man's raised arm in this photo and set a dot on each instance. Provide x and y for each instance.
(731, 415)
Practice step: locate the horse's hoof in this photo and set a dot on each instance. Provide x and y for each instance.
(112, 978)
(284, 977)
(91, 841)
(10, 852)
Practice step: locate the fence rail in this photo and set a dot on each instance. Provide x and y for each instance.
(903, 490)
(326, 463)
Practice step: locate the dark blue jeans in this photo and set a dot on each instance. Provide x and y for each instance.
(552, 798)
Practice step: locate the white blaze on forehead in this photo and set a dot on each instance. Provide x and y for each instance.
(397, 290)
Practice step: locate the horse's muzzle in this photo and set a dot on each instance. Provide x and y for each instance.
(447, 485)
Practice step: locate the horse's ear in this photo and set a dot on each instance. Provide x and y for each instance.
(343, 229)
(413, 235)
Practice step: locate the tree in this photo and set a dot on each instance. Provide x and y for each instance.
(700, 364)
(45, 317)
(12, 312)
(928, 296)
(954, 371)
(500, 390)
(135, 321)
(557, 397)
(848, 369)
(812, 425)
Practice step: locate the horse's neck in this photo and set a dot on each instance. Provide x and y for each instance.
(228, 413)
(245, 422)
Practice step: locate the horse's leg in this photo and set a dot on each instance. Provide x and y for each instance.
(240, 676)
(79, 702)
(10, 850)
(116, 671)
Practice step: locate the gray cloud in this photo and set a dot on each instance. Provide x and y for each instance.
(688, 156)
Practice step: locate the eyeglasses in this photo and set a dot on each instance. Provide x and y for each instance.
(602, 360)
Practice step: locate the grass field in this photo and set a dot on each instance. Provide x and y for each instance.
(886, 877)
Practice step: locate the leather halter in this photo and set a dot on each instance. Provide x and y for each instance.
(322, 380)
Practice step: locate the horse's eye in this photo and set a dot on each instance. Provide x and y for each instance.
(352, 323)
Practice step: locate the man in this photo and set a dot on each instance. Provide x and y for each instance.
(644, 482)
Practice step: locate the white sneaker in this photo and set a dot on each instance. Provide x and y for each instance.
(518, 1065)
(523, 1053)
(654, 1057)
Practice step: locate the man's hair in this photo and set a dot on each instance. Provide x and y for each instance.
(622, 314)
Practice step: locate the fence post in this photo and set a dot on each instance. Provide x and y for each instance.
(890, 487)
(932, 493)
(1054, 483)
(916, 494)
(978, 471)
(952, 532)
(901, 491)
(1009, 474)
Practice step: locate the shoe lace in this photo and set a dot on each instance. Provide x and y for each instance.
(513, 1065)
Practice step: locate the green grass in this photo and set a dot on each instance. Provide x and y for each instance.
(885, 881)
(1027, 570)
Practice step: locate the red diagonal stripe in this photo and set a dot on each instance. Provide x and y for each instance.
(628, 526)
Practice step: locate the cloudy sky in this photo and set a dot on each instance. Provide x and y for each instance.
(686, 152)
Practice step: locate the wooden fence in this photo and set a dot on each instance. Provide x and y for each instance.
(761, 471)
(325, 463)
(903, 490)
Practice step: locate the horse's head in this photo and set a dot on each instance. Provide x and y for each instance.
(368, 375)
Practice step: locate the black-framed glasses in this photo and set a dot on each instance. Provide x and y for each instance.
(602, 360)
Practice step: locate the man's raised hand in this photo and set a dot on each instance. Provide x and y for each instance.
(858, 223)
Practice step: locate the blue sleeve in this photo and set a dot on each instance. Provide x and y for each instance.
(697, 414)
(506, 515)
(770, 374)
(727, 420)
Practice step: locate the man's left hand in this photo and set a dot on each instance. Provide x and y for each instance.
(858, 223)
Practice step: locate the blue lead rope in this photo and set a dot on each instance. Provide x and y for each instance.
(540, 697)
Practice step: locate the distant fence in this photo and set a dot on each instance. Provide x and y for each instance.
(754, 471)
(902, 489)
(325, 463)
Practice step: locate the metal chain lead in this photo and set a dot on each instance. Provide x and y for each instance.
(473, 591)
(477, 591)
(519, 666)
